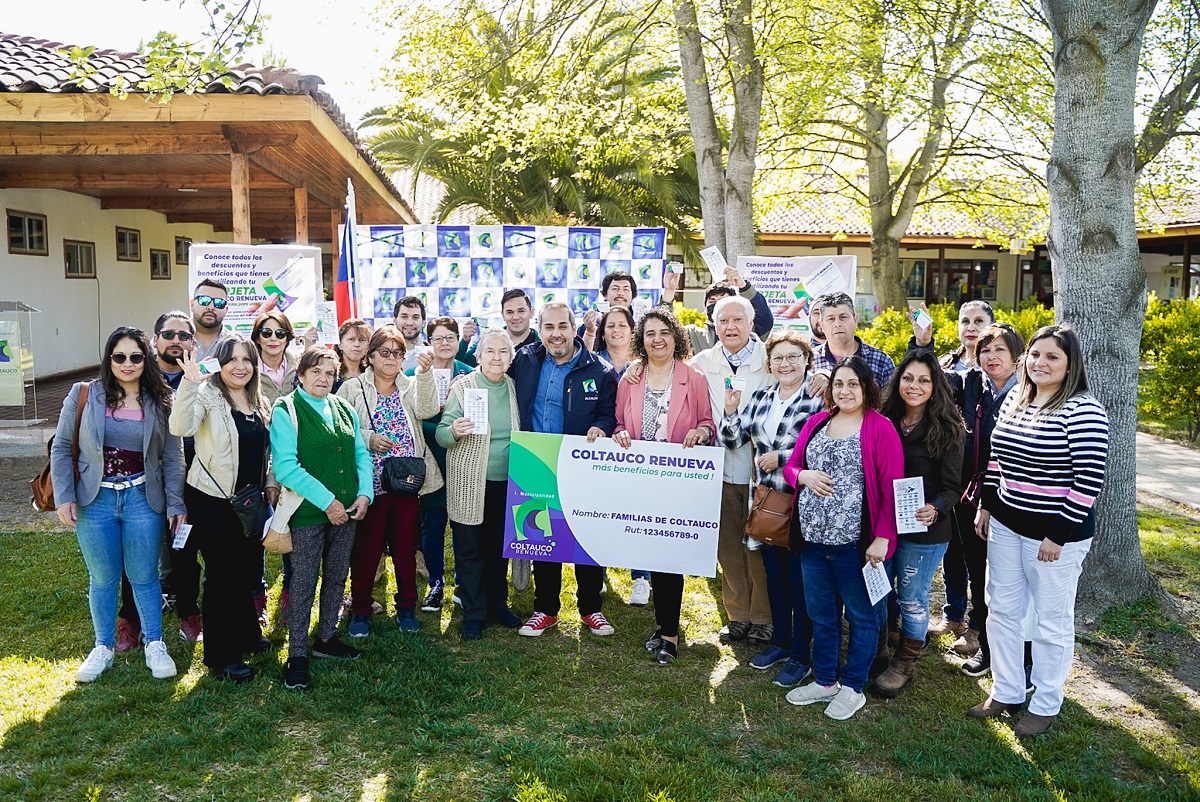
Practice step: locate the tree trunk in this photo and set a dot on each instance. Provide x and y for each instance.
(706, 139)
(886, 272)
(1099, 282)
(743, 135)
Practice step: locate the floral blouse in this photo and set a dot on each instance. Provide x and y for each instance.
(389, 420)
(836, 519)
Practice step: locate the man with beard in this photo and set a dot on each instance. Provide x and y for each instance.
(409, 314)
(563, 388)
(210, 302)
(173, 335)
(517, 311)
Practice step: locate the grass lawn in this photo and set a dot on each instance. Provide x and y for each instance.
(569, 716)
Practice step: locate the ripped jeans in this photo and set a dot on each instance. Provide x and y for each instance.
(914, 565)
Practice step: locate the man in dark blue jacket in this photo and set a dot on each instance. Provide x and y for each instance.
(563, 388)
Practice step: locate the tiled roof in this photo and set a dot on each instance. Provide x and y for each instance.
(1175, 213)
(427, 194)
(28, 64)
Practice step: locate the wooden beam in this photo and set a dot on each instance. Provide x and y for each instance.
(263, 202)
(99, 144)
(46, 107)
(146, 183)
(242, 141)
(301, 195)
(239, 180)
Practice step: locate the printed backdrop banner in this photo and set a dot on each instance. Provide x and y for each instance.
(655, 506)
(260, 278)
(784, 282)
(12, 378)
(462, 271)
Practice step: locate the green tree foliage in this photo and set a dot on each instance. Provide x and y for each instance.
(1172, 387)
(891, 329)
(541, 115)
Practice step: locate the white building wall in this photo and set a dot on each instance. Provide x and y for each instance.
(77, 315)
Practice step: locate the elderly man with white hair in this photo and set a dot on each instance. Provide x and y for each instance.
(743, 580)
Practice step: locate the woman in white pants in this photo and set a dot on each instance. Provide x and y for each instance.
(1047, 465)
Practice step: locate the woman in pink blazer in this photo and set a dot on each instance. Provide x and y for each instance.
(670, 404)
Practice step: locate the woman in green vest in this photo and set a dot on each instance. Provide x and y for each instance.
(318, 452)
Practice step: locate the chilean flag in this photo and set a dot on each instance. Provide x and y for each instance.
(345, 289)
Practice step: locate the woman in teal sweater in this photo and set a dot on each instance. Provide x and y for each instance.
(318, 452)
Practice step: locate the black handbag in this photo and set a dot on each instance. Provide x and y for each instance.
(973, 493)
(401, 476)
(249, 504)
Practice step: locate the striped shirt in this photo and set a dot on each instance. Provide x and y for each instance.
(1046, 471)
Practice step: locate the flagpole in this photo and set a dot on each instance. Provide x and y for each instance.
(352, 242)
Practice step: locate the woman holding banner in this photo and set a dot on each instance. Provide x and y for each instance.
(772, 421)
(669, 405)
(842, 467)
(477, 484)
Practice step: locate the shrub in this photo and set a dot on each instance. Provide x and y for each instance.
(686, 315)
(1173, 385)
(1027, 318)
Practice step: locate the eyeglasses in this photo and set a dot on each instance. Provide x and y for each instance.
(791, 359)
(279, 334)
(168, 334)
(389, 353)
(135, 358)
(444, 338)
(208, 300)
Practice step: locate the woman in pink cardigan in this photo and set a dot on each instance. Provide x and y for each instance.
(842, 468)
(669, 405)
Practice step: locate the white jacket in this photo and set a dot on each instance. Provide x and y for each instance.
(201, 411)
(716, 368)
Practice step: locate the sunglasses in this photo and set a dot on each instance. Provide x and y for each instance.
(279, 334)
(388, 353)
(137, 358)
(183, 336)
(208, 300)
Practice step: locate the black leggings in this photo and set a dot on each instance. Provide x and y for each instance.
(668, 601)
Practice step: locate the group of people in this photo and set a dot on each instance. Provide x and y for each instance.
(1009, 445)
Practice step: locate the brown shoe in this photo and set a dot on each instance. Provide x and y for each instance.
(967, 643)
(944, 626)
(1032, 724)
(901, 670)
(992, 709)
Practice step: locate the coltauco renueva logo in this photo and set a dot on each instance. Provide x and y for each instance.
(531, 520)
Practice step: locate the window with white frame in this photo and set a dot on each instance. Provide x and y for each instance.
(79, 258)
(129, 245)
(27, 233)
(160, 264)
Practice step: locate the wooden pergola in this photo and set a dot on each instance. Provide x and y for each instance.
(264, 164)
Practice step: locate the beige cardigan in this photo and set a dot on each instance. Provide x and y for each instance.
(201, 411)
(467, 460)
(418, 397)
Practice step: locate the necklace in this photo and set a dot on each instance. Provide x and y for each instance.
(907, 427)
(670, 379)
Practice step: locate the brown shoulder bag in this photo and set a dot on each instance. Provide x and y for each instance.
(42, 486)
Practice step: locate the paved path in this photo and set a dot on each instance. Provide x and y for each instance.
(1167, 469)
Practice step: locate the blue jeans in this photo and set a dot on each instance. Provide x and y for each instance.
(914, 565)
(433, 536)
(832, 580)
(785, 591)
(119, 530)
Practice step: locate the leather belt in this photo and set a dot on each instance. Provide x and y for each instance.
(125, 484)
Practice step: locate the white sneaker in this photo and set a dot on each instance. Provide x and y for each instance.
(99, 660)
(812, 693)
(845, 704)
(158, 661)
(457, 601)
(640, 596)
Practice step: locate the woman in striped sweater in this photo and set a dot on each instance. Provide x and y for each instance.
(1049, 450)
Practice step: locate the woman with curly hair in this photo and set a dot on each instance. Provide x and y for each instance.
(920, 404)
(129, 476)
(670, 405)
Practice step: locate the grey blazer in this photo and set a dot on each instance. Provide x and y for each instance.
(163, 454)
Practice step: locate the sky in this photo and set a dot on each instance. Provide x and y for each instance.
(334, 40)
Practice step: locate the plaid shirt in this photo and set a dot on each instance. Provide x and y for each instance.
(881, 365)
(747, 426)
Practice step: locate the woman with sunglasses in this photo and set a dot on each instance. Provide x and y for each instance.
(390, 407)
(272, 334)
(443, 339)
(228, 416)
(128, 479)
